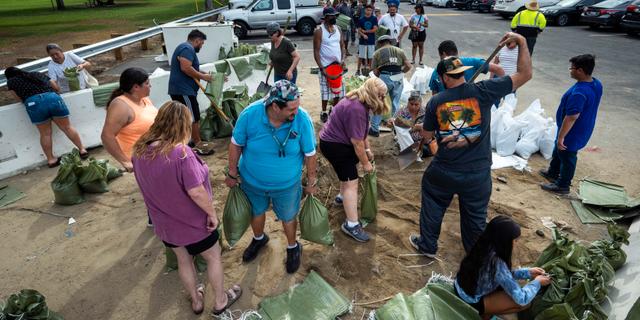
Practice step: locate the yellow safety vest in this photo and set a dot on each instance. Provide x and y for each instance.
(529, 19)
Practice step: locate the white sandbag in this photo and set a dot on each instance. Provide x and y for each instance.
(406, 91)
(508, 134)
(420, 79)
(497, 126)
(547, 140)
(534, 127)
(403, 136)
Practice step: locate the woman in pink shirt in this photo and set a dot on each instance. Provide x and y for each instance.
(175, 186)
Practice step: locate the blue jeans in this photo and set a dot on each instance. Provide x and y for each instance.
(45, 106)
(285, 202)
(563, 166)
(438, 187)
(394, 88)
(277, 77)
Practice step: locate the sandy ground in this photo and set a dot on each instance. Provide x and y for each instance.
(113, 268)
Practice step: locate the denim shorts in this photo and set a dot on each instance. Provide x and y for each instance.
(285, 202)
(45, 106)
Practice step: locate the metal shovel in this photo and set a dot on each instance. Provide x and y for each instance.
(264, 86)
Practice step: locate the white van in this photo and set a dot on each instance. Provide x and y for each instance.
(509, 8)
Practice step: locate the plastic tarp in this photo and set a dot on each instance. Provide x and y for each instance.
(403, 136)
(314, 222)
(604, 194)
(102, 93)
(9, 195)
(314, 299)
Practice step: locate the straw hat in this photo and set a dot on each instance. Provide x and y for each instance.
(532, 5)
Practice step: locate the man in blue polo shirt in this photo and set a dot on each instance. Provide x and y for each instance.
(576, 118)
(271, 141)
(448, 48)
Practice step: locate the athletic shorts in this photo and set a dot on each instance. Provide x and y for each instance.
(366, 51)
(325, 92)
(422, 36)
(200, 246)
(343, 159)
(191, 102)
(285, 202)
(43, 107)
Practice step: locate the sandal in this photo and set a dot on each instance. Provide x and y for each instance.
(55, 164)
(84, 155)
(233, 294)
(200, 291)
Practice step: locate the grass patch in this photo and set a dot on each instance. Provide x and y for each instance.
(27, 18)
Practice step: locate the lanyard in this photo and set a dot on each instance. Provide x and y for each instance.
(283, 144)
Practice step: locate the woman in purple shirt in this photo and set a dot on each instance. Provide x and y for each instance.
(175, 186)
(343, 141)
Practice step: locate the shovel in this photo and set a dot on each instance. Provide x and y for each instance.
(486, 63)
(213, 103)
(264, 86)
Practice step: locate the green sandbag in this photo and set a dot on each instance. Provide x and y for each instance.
(259, 61)
(369, 201)
(241, 67)
(213, 126)
(28, 304)
(102, 93)
(314, 222)
(343, 22)
(93, 178)
(171, 263)
(72, 74)
(236, 216)
(66, 190)
(214, 87)
(222, 67)
(634, 312)
(446, 305)
(418, 306)
(222, 54)
(557, 312)
(382, 30)
(314, 299)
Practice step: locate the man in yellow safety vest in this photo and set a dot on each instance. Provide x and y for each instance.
(529, 23)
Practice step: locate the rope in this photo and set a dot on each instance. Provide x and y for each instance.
(372, 302)
(416, 265)
(241, 315)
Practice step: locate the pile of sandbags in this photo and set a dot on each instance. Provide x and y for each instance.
(524, 134)
(421, 78)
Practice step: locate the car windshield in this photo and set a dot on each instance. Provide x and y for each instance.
(609, 4)
(568, 3)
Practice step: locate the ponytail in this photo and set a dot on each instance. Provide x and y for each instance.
(114, 94)
(129, 78)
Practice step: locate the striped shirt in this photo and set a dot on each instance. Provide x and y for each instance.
(508, 60)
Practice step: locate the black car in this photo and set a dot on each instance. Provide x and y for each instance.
(631, 19)
(566, 11)
(607, 13)
(463, 4)
(483, 5)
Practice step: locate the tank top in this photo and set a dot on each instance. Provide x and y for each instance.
(330, 47)
(142, 121)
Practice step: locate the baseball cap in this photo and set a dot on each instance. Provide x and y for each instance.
(393, 4)
(329, 11)
(272, 27)
(451, 65)
(282, 90)
(386, 37)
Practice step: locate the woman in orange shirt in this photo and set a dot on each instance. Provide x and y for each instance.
(130, 114)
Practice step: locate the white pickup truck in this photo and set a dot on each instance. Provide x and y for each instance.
(305, 15)
(509, 8)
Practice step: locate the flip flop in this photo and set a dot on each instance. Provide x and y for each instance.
(55, 164)
(200, 290)
(84, 155)
(233, 294)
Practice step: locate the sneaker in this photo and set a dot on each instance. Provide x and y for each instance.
(413, 240)
(552, 187)
(338, 199)
(251, 252)
(545, 174)
(356, 232)
(324, 117)
(374, 133)
(293, 258)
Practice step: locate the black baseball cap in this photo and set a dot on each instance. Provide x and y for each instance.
(451, 65)
(329, 11)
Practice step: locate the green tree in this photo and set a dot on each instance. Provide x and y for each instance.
(445, 117)
(467, 116)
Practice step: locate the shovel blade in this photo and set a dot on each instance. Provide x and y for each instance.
(263, 87)
(406, 158)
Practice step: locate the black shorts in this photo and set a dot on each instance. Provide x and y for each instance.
(478, 305)
(191, 102)
(200, 246)
(422, 36)
(343, 159)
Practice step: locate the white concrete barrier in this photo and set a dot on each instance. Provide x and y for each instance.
(20, 141)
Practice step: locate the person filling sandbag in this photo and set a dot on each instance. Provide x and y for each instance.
(485, 279)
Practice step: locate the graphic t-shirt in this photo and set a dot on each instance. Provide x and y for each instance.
(367, 24)
(395, 24)
(582, 98)
(465, 112)
(179, 82)
(435, 85)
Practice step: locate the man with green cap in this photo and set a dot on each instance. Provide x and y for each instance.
(272, 140)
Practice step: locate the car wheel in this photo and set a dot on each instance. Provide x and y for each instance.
(563, 20)
(240, 29)
(594, 26)
(306, 26)
(468, 6)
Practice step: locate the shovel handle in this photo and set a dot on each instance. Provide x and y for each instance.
(213, 103)
(486, 63)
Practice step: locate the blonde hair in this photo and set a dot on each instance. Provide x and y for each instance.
(171, 127)
(368, 95)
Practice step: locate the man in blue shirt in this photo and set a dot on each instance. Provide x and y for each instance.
(271, 141)
(185, 67)
(576, 118)
(367, 27)
(448, 48)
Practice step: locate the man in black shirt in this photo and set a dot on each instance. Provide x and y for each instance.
(458, 118)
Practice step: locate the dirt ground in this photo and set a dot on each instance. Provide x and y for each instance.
(113, 268)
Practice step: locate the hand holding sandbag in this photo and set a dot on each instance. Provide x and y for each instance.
(314, 222)
(369, 201)
(236, 216)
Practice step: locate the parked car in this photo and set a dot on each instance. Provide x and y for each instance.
(607, 13)
(566, 11)
(463, 4)
(509, 8)
(305, 15)
(631, 19)
(483, 5)
(443, 3)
